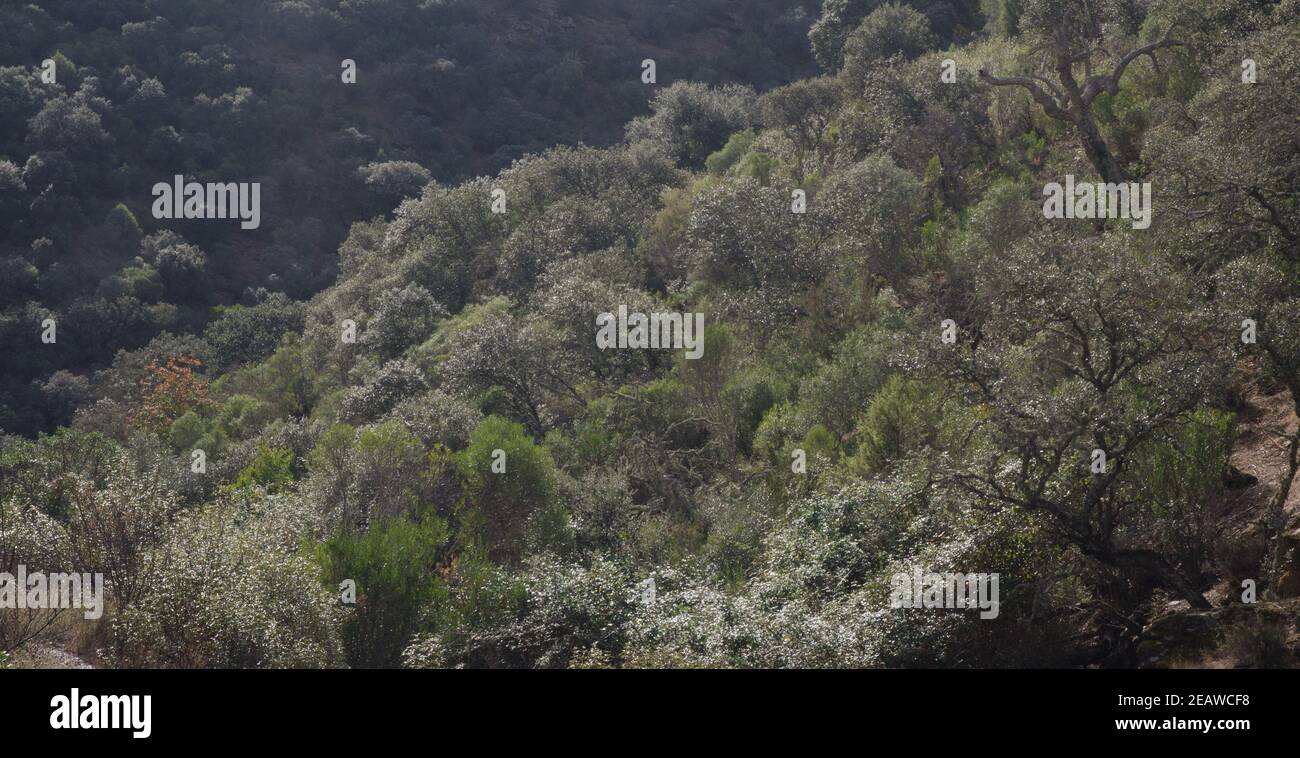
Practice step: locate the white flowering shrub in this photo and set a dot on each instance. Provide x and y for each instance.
(233, 590)
(31, 539)
(114, 529)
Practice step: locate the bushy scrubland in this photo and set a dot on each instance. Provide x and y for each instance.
(370, 461)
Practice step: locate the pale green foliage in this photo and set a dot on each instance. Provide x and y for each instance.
(747, 242)
(730, 153)
(1232, 158)
(402, 318)
(692, 120)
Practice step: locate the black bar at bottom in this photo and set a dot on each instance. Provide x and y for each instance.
(223, 709)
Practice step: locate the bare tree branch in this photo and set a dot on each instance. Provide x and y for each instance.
(1110, 82)
(1049, 103)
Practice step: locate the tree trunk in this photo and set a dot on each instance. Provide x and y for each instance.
(1097, 151)
(1156, 567)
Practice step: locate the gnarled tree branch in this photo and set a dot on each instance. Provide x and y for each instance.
(1110, 82)
(1050, 105)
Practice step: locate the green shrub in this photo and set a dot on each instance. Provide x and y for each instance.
(502, 509)
(271, 469)
(393, 566)
(185, 431)
(735, 149)
(902, 418)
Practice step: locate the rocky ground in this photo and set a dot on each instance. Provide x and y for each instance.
(1236, 634)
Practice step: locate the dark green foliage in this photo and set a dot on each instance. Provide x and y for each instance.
(691, 120)
(902, 419)
(393, 568)
(250, 332)
(510, 491)
(255, 93)
(888, 31)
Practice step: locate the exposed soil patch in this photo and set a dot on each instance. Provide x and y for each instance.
(45, 656)
(1261, 449)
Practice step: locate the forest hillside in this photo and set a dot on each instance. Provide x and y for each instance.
(546, 357)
